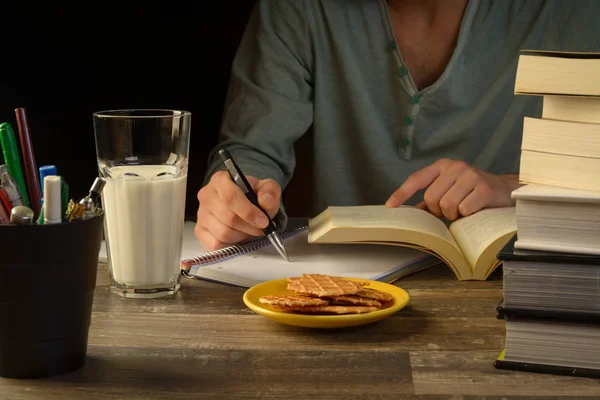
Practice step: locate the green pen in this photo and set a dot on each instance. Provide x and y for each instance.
(12, 159)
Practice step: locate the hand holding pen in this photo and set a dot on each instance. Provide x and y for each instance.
(226, 215)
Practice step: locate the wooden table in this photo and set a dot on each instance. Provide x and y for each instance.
(204, 343)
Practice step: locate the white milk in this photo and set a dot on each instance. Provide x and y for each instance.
(144, 222)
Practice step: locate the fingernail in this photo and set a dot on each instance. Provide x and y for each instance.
(261, 221)
(390, 202)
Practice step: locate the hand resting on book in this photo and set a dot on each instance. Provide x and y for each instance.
(456, 189)
(226, 216)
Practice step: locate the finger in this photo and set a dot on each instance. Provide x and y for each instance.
(268, 192)
(220, 231)
(475, 201)
(210, 200)
(437, 190)
(269, 195)
(417, 181)
(422, 206)
(206, 239)
(230, 219)
(454, 196)
(234, 199)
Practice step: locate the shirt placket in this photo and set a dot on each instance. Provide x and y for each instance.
(407, 132)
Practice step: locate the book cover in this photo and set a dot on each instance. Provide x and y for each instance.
(548, 315)
(501, 363)
(510, 253)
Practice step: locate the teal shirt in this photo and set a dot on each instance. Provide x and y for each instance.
(333, 66)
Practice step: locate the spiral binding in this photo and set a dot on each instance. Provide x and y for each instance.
(226, 253)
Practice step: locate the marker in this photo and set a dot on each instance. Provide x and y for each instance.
(12, 159)
(46, 170)
(52, 200)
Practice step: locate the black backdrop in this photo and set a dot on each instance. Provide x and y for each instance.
(63, 60)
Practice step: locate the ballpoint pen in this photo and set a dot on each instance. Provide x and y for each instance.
(12, 159)
(240, 180)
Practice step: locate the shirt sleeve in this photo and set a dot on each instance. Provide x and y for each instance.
(269, 100)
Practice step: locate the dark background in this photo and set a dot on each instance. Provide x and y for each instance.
(64, 60)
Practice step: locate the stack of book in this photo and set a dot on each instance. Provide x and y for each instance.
(551, 267)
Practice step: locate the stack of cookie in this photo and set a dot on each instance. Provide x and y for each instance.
(324, 294)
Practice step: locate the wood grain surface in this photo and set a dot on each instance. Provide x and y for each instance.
(205, 343)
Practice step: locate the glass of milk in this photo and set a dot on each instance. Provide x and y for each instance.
(143, 156)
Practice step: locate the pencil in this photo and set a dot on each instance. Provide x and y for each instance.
(33, 185)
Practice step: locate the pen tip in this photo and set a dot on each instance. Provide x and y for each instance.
(278, 244)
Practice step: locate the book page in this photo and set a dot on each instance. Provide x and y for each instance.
(571, 108)
(404, 217)
(546, 194)
(477, 232)
(542, 76)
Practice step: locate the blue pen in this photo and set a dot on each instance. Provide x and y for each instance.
(46, 170)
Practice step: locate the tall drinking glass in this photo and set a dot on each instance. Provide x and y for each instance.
(143, 156)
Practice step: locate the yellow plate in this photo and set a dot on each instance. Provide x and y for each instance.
(279, 286)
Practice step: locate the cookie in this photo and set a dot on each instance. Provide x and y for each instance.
(375, 294)
(324, 285)
(354, 300)
(292, 301)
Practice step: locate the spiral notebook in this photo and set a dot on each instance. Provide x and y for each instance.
(258, 261)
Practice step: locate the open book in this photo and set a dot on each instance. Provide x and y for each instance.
(468, 245)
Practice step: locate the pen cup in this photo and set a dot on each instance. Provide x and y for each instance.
(47, 282)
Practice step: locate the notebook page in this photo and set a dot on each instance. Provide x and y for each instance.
(352, 260)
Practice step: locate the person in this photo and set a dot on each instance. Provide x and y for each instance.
(409, 102)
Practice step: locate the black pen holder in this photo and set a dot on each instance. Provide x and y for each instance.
(47, 282)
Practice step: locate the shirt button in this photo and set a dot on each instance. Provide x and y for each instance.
(404, 142)
(408, 120)
(392, 45)
(402, 71)
(416, 99)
